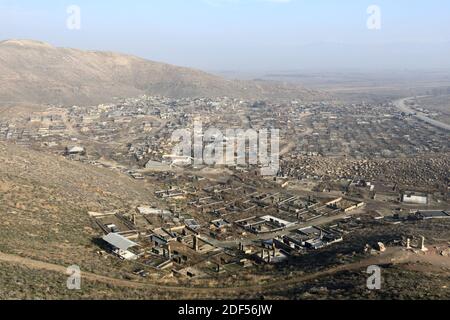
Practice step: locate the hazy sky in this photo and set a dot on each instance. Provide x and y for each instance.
(245, 34)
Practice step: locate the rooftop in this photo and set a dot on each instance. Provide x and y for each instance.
(119, 241)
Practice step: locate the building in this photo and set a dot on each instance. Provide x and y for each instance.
(264, 224)
(121, 246)
(278, 222)
(311, 238)
(220, 223)
(413, 198)
(432, 214)
(192, 224)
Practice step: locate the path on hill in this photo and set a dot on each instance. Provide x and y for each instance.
(392, 255)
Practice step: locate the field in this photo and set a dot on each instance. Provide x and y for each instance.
(439, 104)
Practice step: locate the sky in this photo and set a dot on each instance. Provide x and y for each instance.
(246, 35)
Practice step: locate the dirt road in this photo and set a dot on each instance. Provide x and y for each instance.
(392, 255)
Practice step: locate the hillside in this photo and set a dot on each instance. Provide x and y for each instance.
(44, 204)
(44, 201)
(36, 72)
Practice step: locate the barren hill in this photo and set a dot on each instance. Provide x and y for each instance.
(36, 72)
(44, 200)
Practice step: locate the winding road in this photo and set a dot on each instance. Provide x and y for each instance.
(401, 105)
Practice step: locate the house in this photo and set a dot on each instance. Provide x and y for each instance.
(161, 237)
(311, 238)
(121, 246)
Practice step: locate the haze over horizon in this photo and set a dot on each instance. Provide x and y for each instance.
(224, 158)
(239, 35)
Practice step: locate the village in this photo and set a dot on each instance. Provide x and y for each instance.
(208, 221)
(200, 230)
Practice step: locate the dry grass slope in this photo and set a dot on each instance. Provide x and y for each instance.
(36, 72)
(44, 202)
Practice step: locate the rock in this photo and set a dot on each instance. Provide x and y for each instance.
(445, 253)
(381, 247)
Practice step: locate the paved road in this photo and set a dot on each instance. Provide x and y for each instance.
(400, 104)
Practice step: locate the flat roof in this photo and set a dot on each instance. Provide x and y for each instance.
(434, 213)
(119, 241)
(280, 221)
(309, 231)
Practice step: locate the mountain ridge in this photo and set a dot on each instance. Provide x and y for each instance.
(37, 72)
